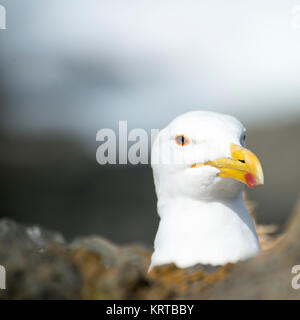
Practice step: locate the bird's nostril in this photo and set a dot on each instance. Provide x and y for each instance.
(242, 161)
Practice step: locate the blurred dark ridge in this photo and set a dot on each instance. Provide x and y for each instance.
(277, 146)
(53, 182)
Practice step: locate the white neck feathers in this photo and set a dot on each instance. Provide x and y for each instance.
(194, 231)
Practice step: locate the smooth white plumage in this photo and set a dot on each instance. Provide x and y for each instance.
(202, 216)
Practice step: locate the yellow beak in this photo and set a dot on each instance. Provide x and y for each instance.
(244, 166)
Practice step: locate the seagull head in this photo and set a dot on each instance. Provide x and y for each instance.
(202, 155)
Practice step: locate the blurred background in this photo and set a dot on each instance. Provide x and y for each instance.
(69, 68)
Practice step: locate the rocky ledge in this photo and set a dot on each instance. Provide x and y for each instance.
(40, 264)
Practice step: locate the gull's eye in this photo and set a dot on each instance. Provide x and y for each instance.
(181, 140)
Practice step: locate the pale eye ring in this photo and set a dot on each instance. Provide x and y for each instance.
(182, 140)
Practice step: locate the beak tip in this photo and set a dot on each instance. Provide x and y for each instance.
(260, 177)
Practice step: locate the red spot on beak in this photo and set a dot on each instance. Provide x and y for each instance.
(250, 180)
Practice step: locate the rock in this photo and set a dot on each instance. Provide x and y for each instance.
(37, 262)
(189, 282)
(124, 277)
(40, 264)
(109, 253)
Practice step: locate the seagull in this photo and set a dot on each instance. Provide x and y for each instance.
(200, 167)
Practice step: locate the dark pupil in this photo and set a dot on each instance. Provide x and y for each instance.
(181, 140)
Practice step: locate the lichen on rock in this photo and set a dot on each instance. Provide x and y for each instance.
(40, 264)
